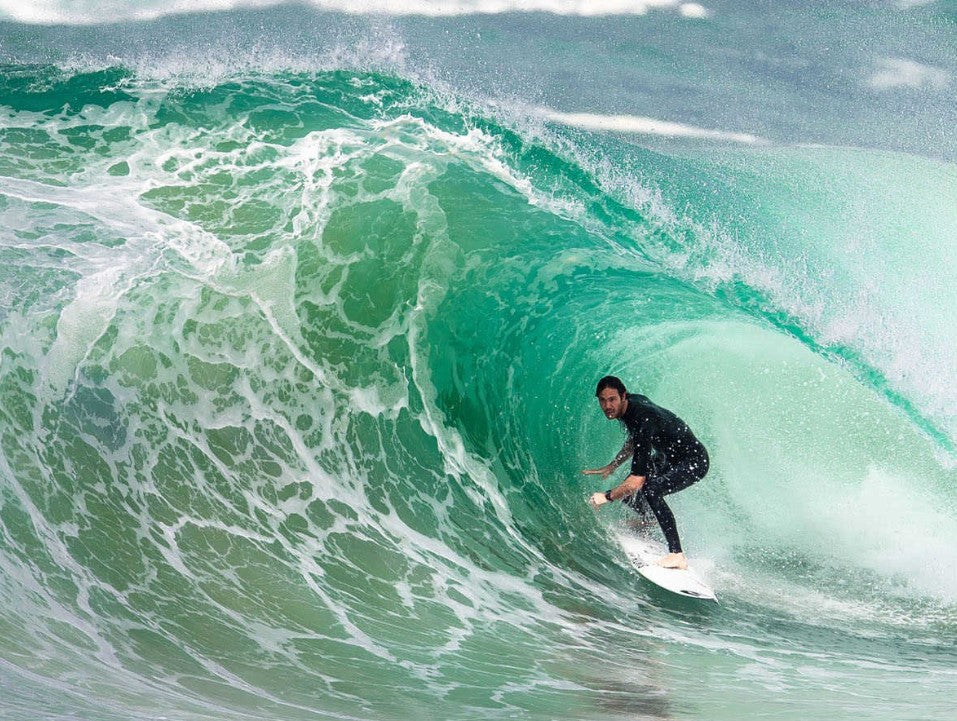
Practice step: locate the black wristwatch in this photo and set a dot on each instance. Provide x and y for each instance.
(608, 495)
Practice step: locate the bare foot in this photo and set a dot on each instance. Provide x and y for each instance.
(674, 560)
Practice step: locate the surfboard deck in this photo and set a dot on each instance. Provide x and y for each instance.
(643, 552)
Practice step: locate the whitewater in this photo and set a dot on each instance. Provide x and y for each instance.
(302, 307)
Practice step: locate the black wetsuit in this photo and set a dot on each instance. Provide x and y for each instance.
(667, 453)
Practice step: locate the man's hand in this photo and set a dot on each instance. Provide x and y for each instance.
(604, 471)
(597, 499)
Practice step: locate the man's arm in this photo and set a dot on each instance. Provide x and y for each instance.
(626, 451)
(631, 485)
(627, 487)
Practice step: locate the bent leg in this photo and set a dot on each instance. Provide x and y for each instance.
(666, 519)
(657, 487)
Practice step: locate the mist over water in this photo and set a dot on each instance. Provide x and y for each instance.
(301, 315)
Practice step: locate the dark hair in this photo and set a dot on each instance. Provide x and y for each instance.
(610, 382)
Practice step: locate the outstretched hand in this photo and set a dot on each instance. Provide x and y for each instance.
(604, 471)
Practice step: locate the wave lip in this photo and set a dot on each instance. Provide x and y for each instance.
(646, 126)
(92, 12)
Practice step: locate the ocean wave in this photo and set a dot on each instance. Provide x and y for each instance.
(59, 12)
(297, 385)
(645, 126)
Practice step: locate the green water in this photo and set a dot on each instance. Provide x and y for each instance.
(296, 385)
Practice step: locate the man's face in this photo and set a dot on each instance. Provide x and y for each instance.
(612, 403)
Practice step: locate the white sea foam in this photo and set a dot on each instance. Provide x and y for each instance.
(694, 10)
(908, 4)
(645, 126)
(59, 12)
(903, 73)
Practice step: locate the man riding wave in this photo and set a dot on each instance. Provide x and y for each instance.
(666, 457)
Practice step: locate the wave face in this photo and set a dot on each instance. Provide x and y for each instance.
(297, 383)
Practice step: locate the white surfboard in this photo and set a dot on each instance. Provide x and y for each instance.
(644, 552)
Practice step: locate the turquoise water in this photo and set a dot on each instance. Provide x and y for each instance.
(301, 315)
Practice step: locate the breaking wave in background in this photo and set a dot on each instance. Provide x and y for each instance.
(298, 355)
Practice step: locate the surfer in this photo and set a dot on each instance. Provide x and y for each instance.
(665, 458)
